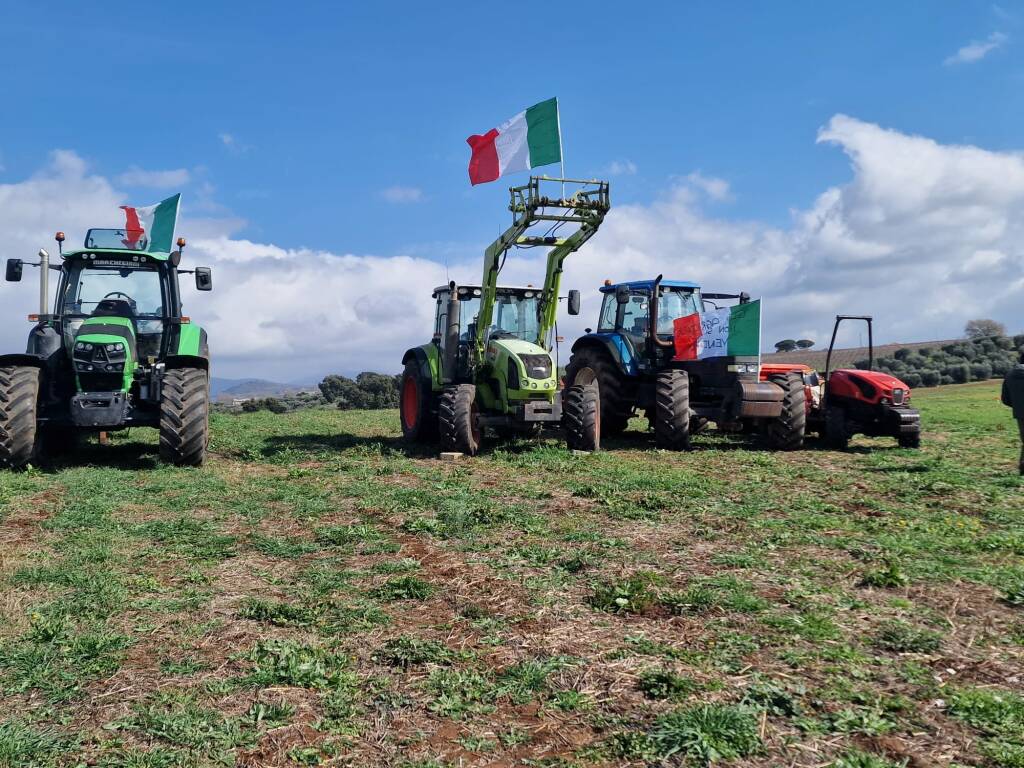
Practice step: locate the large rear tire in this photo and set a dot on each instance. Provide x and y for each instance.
(581, 417)
(419, 425)
(19, 434)
(837, 433)
(786, 433)
(185, 417)
(592, 365)
(459, 420)
(672, 410)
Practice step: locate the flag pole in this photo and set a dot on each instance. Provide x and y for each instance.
(561, 146)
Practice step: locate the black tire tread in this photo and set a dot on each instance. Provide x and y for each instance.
(427, 429)
(581, 417)
(455, 419)
(672, 410)
(836, 433)
(19, 397)
(185, 417)
(615, 406)
(786, 433)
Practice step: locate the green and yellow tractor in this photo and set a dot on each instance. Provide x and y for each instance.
(490, 362)
(115, 352)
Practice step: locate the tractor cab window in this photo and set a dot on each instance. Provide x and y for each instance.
(635, 314)
(673, 304)
(133, 292)
(515, 316)
(608, 312)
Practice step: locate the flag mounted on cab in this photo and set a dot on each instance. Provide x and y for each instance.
(530, 139)
(151, 227)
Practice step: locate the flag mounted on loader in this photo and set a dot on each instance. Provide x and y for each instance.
(727, 332)
(530, 139)
(151, 227)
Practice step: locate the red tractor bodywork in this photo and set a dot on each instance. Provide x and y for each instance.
(867, 402)
(812, 389)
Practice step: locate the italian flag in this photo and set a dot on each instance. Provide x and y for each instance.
(727, 332)
(151, 227)
(528, 140)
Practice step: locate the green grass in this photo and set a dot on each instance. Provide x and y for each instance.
(319, 594)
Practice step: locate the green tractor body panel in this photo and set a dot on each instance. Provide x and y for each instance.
(522, 370)
(104, 346)
(190, 340)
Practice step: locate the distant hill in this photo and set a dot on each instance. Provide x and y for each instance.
(845, 358)
(229, 389)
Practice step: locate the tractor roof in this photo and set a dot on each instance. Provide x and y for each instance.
(649, 285)
(125, 254)
(500, 288)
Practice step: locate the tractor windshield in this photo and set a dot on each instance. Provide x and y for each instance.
(515, 315)
(120, 239)
(134, 292)
(674, 304)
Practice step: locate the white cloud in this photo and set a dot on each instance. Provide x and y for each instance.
(621, 168)
(923, 236)
(400, 194)
(232, 144)
(976, 50)
(138, 177)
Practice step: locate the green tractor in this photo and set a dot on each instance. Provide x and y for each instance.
(490, 362)
(116, 352)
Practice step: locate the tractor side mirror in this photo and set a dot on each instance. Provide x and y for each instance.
(622, 294)
(574, 302)
(14, 268)
(204, 279)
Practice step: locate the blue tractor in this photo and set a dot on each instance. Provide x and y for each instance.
(634, 366)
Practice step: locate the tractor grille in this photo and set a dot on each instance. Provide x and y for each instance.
(899, 396)
(101, 382)
(537, 366)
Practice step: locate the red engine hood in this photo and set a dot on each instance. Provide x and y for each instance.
(866, 385)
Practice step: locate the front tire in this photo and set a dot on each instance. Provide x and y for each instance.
(786, 433)
(185, 417)
(418, 424)
(912, 440)
(19, 434)
(581, 417)
(837, 434)
(592, 365)
(672, 410)
(459, 420)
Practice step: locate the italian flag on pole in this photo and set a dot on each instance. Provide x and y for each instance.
(529, 139)
(727, 332)
(151, 227)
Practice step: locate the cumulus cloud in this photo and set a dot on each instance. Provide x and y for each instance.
(138, 177)
(923, 236)
(400, 194)
(621, 168)
(976, 50)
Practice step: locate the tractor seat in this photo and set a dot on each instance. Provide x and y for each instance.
(114, 308)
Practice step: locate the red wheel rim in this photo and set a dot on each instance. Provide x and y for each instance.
(410, 402)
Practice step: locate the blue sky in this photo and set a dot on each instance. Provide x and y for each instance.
(329, 104)
(797, 150)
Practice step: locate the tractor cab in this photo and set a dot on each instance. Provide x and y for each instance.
(626, 309)
(516, 313)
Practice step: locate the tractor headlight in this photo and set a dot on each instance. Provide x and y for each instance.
(744, 368)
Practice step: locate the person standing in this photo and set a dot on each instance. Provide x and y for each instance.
(1013, 396)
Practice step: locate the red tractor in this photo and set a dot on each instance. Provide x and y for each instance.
(864, 402)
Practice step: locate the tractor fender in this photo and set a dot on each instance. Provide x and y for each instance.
(428, 363)
(186, 361)
(607, 342)
(22, 359)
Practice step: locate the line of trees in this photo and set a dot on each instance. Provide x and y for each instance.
(973, 359)
(367, 390)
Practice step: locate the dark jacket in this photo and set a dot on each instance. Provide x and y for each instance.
(1013, 391)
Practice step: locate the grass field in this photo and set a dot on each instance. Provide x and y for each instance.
(318, 596)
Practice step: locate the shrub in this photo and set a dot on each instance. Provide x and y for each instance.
(946, 380)
(981, 371)
(912, 380)
(930, 378)
(960, 374)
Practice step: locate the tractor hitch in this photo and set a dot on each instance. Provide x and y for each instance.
(99, 409)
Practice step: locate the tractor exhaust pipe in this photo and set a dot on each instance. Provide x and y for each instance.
(451, 334)
(44, 282)
(652, 322)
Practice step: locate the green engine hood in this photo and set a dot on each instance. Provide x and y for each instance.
(100, 332)
(535, 372)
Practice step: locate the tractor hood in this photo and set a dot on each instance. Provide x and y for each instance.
(104, 354)
(872, 386)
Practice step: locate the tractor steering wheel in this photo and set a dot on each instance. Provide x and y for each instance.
(122, 295)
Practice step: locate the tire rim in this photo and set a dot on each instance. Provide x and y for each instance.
(474, 424)
(410, 402)
(585, 375)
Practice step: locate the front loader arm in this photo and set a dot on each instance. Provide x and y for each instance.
(548, 307)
